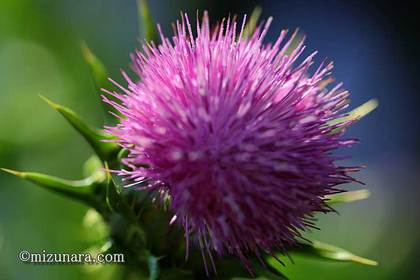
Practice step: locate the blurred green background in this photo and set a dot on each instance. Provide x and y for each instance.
(374, 46)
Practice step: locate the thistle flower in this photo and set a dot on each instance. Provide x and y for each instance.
(238, 133)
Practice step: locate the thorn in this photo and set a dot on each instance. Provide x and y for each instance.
(93, 135)
(13, 172)
(49, 102)
(364, 261)
(86, 52)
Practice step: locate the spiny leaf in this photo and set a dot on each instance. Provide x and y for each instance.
(102, 270)
(95, 137)
(93, 165)
(97, 68)
(96, 228)
(326, 251)
(100, 78)
(113, 198)
(153, 264)
(252, 22)
(355, 114)
(122, 154)
(136, 238)
(109, 247)
(81, 190)
(347, 196)
(146, 24)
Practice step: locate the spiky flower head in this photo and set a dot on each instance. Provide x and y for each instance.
(235, 131)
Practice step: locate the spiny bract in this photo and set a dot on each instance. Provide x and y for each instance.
(236, 132)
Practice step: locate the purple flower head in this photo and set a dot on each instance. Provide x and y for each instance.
(236, 132)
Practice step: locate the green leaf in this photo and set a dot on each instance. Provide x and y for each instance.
(326, 251)
(355, 114)
(251, 25)
(92, 166)
(109, 247)
(95, 137)
(113, 197)
(103, 270)
(82, 190)
(146, 24)
(153, 264)
(136, 239)
(100, 78)
(96, 230)
(349, 196)
(122, 154)
(97, 68)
